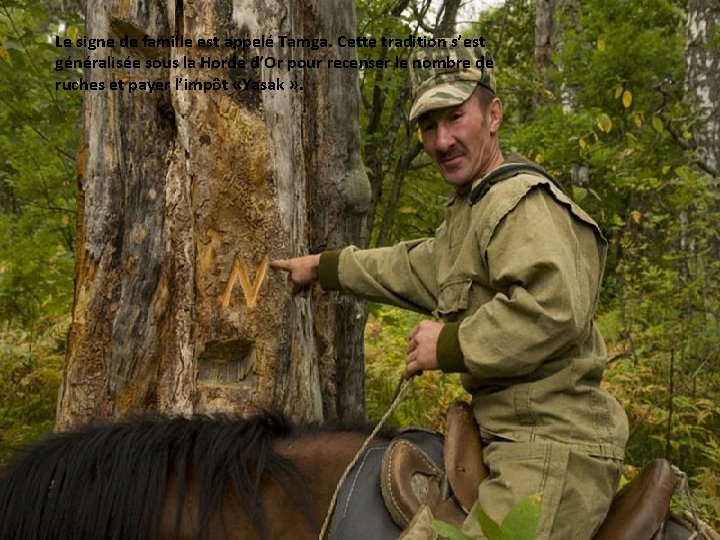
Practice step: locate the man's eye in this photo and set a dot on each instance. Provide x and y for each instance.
(427, 127)
(456, 116)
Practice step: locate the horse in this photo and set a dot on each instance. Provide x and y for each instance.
(219, 477)
(176, 477)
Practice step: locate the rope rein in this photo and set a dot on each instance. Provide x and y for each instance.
(400, 390)
(690, 516)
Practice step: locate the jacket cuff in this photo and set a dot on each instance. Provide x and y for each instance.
(328, 271)
(449, 355)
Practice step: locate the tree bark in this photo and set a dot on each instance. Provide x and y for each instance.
(544, 40)
(567, 17)
(183, 198)
(703, 79)
(702, 82)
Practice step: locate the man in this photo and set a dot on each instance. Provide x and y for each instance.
(513, 273)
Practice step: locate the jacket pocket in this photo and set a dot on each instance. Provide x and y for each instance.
(453, 297)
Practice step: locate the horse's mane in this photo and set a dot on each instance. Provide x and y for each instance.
(108, 481)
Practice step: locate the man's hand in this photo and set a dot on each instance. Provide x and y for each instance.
(303, 271)
(422, 348)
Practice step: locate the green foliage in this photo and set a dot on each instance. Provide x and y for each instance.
(386, 338)
(511, 40)
(451, 532)
(682, 426)
(408, 198)
(38, 142)
(707, 480)
(520, 523)
(30, 367)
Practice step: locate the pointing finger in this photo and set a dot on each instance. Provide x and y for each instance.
(281, 264)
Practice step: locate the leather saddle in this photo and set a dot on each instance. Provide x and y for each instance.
(393, 480)
(640, 508)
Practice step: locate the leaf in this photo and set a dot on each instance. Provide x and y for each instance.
(489, 528)
(583, 143)
(666, 169)
(72, 32)
(657, 124)
(604, 122)
(627, 98)
(448, 531)
(5, 55)
(521, 522)
(636, 216)
(618, 91)
(579, 193)
(601, 43)
(539, 158)
(638, 119)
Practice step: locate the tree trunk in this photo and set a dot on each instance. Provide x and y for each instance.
(544, 45)
(185, 195)
(703, 79)
(567, 18)
(702, 83)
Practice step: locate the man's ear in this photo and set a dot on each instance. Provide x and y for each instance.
(495, 115)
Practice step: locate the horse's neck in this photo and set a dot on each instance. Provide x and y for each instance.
(322, 458)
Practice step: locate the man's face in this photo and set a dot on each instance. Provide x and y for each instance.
(462, 140)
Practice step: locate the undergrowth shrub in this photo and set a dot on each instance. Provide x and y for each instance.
(30, 374)
(386, 341)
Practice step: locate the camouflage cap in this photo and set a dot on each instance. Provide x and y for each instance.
(439, 78)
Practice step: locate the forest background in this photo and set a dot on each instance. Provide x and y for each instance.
(600, 98)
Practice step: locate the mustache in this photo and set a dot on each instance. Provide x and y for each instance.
(442, 156)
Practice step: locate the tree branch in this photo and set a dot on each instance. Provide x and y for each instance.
(686, 144)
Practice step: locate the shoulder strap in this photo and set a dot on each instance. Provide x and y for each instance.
(505, 172)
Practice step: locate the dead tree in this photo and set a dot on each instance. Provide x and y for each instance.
(185, 195)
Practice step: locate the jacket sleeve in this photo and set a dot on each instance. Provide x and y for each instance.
(402, 275)
(545, 267)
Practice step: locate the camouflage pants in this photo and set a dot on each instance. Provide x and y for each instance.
(576, 490)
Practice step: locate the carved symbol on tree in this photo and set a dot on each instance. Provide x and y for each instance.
(250, 289)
